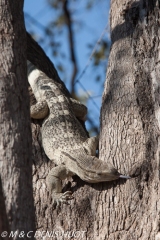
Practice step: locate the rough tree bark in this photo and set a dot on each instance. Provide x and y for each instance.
(130, 121)
(16, 197)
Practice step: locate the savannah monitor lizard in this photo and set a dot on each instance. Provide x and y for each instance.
(64, 139)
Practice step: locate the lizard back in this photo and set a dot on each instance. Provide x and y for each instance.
(60, 129)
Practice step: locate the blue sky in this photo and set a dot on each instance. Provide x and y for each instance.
(92, 24)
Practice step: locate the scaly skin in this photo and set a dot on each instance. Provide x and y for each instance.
(64, 139)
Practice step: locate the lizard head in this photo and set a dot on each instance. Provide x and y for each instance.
(108, 173)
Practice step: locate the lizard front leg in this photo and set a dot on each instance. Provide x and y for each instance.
(54, 183)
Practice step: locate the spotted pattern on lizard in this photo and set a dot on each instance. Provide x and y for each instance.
(64, 139)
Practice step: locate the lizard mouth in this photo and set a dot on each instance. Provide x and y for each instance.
(99, 177)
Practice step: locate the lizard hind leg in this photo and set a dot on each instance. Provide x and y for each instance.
(54, 184)
(79, 109)
(91, 145)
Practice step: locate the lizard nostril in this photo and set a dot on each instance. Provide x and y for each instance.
(99, 174)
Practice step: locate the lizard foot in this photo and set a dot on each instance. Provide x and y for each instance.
(60, 198)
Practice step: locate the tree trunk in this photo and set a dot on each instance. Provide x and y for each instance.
(16, 198)
(129, 140)
(130, 123)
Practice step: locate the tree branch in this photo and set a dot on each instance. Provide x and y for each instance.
(37, 56)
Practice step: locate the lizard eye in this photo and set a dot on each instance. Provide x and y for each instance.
(99, 174)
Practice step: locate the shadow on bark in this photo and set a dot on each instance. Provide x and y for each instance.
(132, 16)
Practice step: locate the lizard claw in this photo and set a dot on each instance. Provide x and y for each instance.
(61, 198)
